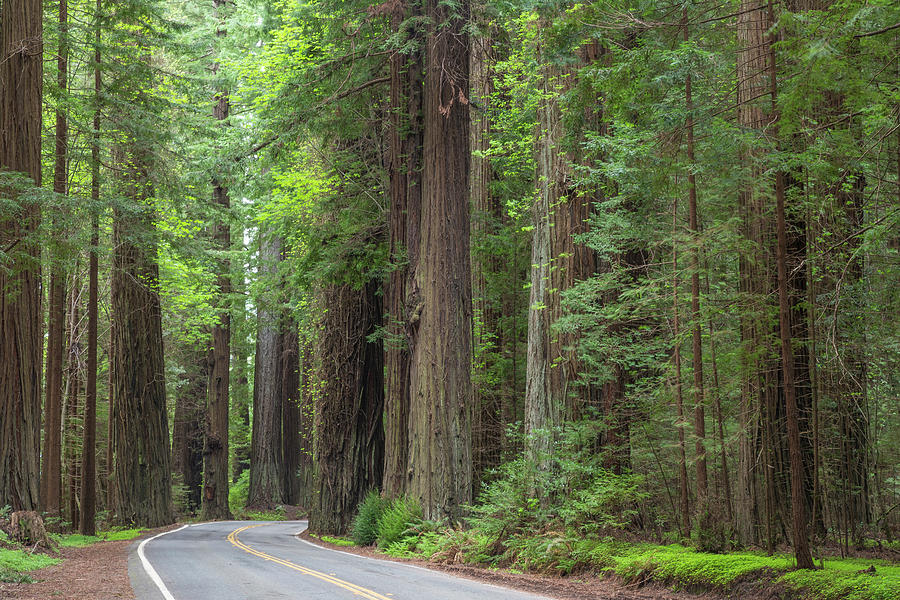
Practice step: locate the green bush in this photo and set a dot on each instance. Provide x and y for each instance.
(396, 520)
(237, 494)
(365, 526)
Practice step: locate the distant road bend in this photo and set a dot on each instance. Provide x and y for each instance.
(246, 560)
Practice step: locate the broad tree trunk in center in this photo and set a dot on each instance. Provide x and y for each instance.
(140, 432)
(440, 454)
(266, 464)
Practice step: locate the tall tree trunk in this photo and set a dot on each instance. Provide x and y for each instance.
(486, 212)
(187, 429)
(51, 470)
(440, 455)
(140, 429)
(21, 334)
(73, 391)
(704, 518)
(405, 175)
(215, 446)
(290, 406)
(799, 525)
(349, 438)
(752, 66)
(684, 494)
(89, 448)
(307, 468)
(266, 464)
(543, 401)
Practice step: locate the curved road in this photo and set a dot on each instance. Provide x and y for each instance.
(246, 560)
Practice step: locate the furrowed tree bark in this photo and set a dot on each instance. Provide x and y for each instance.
(702, 505)
(543, 404)
(187, 429)
(684, 494)
(349, 438)
(306, 468)
(486, 215)
(73, 391)
(440, 455)
(21, 334)
(290, 406)
(51, 470)
(215, 445)
(405, 180)
(752, 66)
(140, 431)
(799, 525)
(89, 449)
(266, 464)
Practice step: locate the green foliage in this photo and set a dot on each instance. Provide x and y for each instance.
(337, 541)
(364, 529)
(398, 521)
(844, 580)
(20, 560)
(276, 514)
(76, 540)
(577, 493)
(238, 492)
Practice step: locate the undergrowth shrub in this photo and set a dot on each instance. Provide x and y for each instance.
(398, 520)
(364, 529)
(238, 492)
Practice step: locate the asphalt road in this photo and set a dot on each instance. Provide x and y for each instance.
(246, 560)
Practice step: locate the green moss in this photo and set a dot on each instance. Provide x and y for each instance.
(277, 514)
(337, 541)
(841, 580)
(76, 540)
(20, 561)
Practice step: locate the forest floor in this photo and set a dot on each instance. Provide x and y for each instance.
(95, 572)
(585, 587)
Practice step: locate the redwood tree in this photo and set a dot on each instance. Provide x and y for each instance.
(21, 71)
(440, 451)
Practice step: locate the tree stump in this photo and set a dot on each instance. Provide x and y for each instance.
(27, 528)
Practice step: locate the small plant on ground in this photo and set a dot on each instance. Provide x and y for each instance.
(397, 520)
(364, 530)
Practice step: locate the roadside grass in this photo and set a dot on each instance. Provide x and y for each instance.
(15, 564)
(276, 514)
(335, 540)
(76, 540)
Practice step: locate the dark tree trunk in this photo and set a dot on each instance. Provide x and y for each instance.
(752, 66)
(89, 448)
(140, 431)
(266, 464)
(73, 391)
(704, 518)
(306, 467)
(21, 326)
(405, 177)
(215, 446)
(187, 429)
(799, 525)
(487, 427)
(290, 406)
(51, 471)
(680, 424)
(350, 399)
(440, 454)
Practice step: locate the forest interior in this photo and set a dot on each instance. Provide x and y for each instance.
(593, 290)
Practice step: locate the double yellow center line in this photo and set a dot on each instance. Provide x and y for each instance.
(351, 587)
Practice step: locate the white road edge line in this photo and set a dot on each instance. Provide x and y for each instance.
(151, 572)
